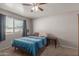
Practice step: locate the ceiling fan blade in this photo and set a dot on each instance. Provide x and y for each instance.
(40, 9)
(41, 3)
(27, 4)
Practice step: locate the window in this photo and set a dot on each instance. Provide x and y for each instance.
(14, 26)
(18, 25)
(9, 25)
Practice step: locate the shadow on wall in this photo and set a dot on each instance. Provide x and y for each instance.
(67, 44)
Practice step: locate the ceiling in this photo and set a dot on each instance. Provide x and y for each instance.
(49, 9)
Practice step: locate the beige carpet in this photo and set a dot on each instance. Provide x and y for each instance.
(59, 51)
(48, 51)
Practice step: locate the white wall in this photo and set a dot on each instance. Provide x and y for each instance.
(64, 26)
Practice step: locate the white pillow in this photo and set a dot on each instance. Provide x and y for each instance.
(43, 34)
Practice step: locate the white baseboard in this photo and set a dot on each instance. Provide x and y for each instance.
(68, 47)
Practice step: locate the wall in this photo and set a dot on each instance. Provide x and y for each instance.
(64, 26)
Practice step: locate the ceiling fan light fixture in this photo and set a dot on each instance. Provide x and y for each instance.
(35, 8)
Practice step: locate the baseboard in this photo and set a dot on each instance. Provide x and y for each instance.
(68, 47)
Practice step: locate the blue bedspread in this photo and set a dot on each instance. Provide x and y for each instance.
(39, 42)
(27, 45)
(44, 39)
(30, 44)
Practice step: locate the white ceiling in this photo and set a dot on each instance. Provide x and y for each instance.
(49, 9)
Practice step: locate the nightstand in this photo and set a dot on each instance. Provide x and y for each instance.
(52, 40)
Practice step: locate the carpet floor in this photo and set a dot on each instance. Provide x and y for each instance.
(47, 51)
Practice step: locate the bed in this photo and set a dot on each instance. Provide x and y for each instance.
(31, 43)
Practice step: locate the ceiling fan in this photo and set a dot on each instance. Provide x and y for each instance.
(36, 6)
